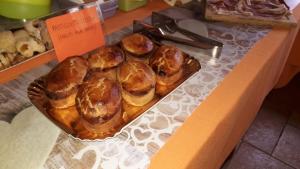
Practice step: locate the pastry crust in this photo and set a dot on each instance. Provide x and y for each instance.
(138, 100)
(103, 130)
(67, 101)
(98, 102)
(167, 64)
(169, 80)
(137, 45)
(106, 57)
(62, 82)
(138, 81)
(109, 73)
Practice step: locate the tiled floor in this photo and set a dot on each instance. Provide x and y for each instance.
(273, 140)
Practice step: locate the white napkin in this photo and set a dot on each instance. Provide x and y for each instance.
(26, 142)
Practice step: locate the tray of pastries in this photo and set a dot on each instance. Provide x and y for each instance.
(93, 97)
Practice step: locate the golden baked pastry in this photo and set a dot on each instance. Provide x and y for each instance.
(106, 59)
(137, 46)
(99, 104)
(167, 64)
(62, 82)
(138, 82)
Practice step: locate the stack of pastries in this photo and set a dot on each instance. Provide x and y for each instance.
(138, 82)
(61, 88)
(91, 90)
(99, 104)
(167, 64)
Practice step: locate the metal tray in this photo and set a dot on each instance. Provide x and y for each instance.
(36, 94)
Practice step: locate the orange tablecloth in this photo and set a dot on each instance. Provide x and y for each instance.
(217, 125)
(292, 66)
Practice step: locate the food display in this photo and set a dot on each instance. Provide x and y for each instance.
(21, 44)
(262, 12)
(93, 97)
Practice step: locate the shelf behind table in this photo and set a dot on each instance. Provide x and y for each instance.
(113, 24)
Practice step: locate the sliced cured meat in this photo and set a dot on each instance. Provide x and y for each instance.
(260, 8)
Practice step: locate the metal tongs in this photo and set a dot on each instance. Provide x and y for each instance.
(169, 24)
(159, 35)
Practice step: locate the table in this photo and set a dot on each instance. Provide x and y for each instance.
(231, 91)
(218, 124)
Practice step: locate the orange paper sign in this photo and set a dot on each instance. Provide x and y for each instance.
(75, 33)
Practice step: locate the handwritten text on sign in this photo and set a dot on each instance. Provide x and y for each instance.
(75, 33)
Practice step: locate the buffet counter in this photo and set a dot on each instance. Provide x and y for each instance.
(197, 125)
(216, 126)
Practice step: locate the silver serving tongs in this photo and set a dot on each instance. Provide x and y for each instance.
(158, 35)
(169, 24)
